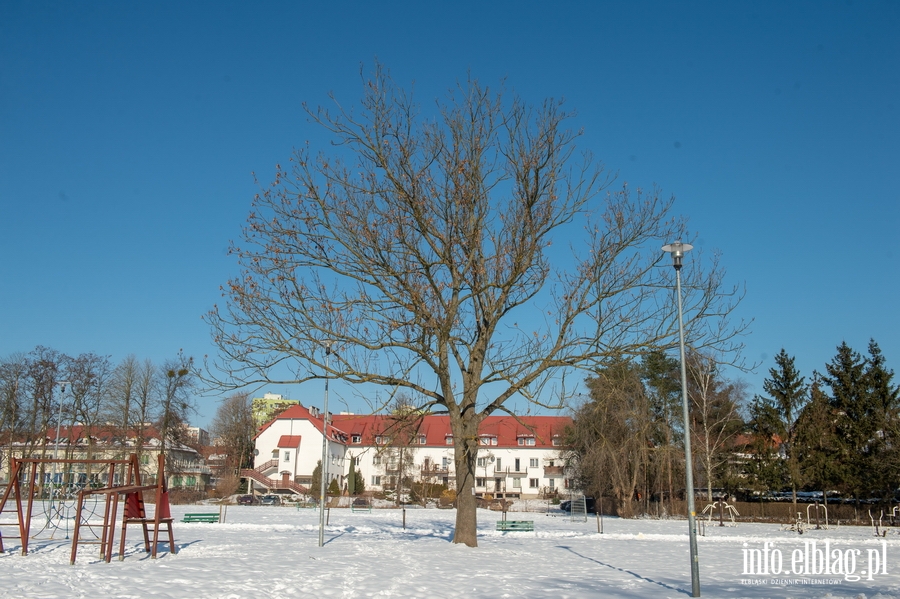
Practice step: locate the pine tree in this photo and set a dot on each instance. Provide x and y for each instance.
(885, 398)
(765, 469)
(856, 422)
(815, 441)
(789, 394)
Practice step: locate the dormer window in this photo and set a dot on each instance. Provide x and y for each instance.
(356, 438)
(422, 439)
(487, 440)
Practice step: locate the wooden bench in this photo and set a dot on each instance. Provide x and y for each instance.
(206, 517)
(517, 525)
(307, 505)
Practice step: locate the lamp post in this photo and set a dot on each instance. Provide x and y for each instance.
(324, 467)
(678, 250)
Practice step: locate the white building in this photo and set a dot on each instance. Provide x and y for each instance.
(518, 457)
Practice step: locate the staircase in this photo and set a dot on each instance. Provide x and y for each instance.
(270, 483)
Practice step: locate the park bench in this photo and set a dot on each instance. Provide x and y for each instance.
(360, 506)
(307, 505)
(515, 525)
(203, 517)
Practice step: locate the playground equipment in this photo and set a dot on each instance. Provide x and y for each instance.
(24, 483)
(816, 507)
(877, 526)
(722, 508)
(797, 525)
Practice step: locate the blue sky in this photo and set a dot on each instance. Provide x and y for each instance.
(129, 133)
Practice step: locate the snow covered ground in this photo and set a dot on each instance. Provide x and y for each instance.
(272, 552)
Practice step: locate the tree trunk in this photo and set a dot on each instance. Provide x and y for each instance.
(465, 432)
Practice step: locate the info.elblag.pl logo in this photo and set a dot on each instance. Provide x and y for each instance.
(816, 559)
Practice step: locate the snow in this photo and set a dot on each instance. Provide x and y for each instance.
(272, 552)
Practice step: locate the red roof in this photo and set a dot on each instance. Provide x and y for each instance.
(435, 427)
(289, 441)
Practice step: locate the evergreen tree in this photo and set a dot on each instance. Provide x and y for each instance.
(316, 485)
(856, 421)
(885, 398)
(765, 468)
(789, 394)
(815, 442)
(662, 383)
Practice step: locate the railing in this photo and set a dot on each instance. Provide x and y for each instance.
(265, 466)
(553, 470)
(271, 483)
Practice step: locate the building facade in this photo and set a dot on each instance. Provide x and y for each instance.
(518, 457)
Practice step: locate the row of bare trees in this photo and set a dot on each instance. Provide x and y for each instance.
(44, 389)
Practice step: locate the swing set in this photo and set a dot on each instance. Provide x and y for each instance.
(22, 489)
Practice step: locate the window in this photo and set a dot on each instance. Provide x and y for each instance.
(521, 440)
(287, 456)
(379, 440)
(529, 441)
(499, 465)
(445, 463)
(145, 459)
(479, 482)
(533, 463)
(482, 462)
(517, 483)
(376, 460)
(274, 454)
(552, 483)
(518, 463)
(448, 439)
(356, 438)
(422, 439)
(533, 483)
(376, 481)
(555, 440)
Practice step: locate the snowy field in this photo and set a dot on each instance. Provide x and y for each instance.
(272, 552)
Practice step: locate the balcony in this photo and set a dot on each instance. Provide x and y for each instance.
(434, 471)
(553, 471)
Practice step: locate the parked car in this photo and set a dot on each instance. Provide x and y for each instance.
(270, 500)
(589, 504)
(247, 499)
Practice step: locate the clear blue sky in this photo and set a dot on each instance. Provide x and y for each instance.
(129, 132)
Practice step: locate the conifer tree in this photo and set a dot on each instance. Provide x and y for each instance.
(815, 441)
(789, 394)
(885, 397)
(765, 469)
(856, 420)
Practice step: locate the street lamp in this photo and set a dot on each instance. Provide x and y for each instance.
(324, 453)
(677, 250)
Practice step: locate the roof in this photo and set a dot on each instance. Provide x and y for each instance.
(436, 428)
(289, 441)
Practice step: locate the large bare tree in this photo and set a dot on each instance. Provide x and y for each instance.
(420, 251)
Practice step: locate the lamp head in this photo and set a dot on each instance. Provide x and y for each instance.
(677, 250)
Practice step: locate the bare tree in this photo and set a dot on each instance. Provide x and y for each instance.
(88, 376)
(176, 380)
(13, 373)
(715, 413)
(233, 429)
(421, 252)
(121, 399)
